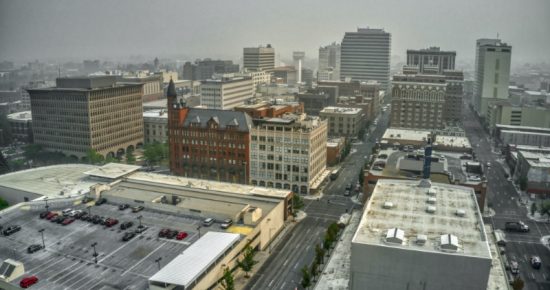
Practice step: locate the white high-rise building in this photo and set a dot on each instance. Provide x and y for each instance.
(329, 63)
(226, 91)
(492, 73)
(365, 56)
(259, 58)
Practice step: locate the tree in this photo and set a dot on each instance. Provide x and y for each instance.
(94, 157)
(155, 152)
(3, 204)
(130, 158)
(319, 254)
(306, 278)
(361, 176)
(518, 284)
(5, 129)
(32, 151)
(297, 202)
(523, 183)
(533, 208)
(314, 269)
(544, 209)
(228, 282)
(248, 262)
(327, 243)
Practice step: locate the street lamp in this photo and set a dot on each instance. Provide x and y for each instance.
(89, 210)
(47, 206)
(41, 231)
(95, 253)
(158, 261)
(199, 229)
(139, 219)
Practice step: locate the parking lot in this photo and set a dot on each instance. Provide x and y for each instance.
(67, 262)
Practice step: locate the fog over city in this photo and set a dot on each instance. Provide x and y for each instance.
(66, 29)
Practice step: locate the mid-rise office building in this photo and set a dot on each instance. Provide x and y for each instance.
(431, 60)
(407, 232)
(206, 68)
(343, 121)
(522, 135)
(287, 75)
(365, 56)
(21, 126)
(81, 114)
(315, 102)
(226, 91)
(492, 74)
(155, 126)
(153, 87)
(289, 152)
(534, 167)
(329, 62)
(259, 58)
(207, 143)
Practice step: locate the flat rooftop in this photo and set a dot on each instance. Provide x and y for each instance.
(112, 170)
(406, 134)
(452, 141)
(157, 104)
(50, 181)
(341, 110)
(409, 214)
(21, 116)
(156, 113)
(537, 159)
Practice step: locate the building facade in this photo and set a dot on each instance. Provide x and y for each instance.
(81, 114)
(206, 68)
(285, 75)
(315, 103)
(365, 55)
(207, 143)
(21, 126)
(329, 62)
(431, 59)
(259, 58)
(342, 121)
(288, 152)
(418, 101)
(492, 74)
(226, 91)
(534, 168)
(155, 126)
(153, 87)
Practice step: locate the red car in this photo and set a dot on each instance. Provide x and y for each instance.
(67, 221)
(111, 222)
(181, 235)
(51, 215)
(28, 281)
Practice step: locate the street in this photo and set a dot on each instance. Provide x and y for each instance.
(282, 269)
(505, 201)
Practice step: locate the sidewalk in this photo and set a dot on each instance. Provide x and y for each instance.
(336, 273)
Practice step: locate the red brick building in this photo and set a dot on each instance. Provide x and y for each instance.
(207, 143)
(267, 110)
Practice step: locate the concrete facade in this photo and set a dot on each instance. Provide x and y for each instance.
(329, 63)
(224, 92)
(21, 126)
(259, 58)
(535, 167)
(80, 114)
(155, 126)
(431, 59)
(343, 121)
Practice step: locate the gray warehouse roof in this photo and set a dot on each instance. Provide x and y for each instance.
(189, 265)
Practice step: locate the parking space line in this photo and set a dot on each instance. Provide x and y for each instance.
(119, 248)
(59, 259)
(143, 259)
(64, 273)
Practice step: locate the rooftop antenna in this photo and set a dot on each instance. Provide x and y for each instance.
(59, 71)
(497, 35)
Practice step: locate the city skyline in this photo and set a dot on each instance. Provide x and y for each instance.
(182, 30)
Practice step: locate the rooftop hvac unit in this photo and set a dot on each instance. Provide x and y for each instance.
(432, 192)
(460, 212)
(421, 239)
(430, 209)
(449, 243)
(431, 200)
(388, 205)
(395, 236)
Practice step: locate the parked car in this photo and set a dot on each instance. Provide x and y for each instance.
(51, 215)
(163, 233)
(226, 223)
(128, 236)
(137, 208)
(58, 218)
(44, 214)
(34, 248)
(347, 192)
(514, 267)
(208, 222)
(171, 234)
(68, 221)
(80, 215)
(110, 222)
(28, 281)
(11, 229)
(87, 199)
(123, 206)
(536, 262)
(101, 201)
(181, 236)
(67, 211)
(95, 219)
(141, 229)
(126, 225)
(75, 212)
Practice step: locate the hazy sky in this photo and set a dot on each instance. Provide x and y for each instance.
(45, 29)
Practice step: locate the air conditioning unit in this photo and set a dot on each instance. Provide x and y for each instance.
(431, 200)
(421, 239)
(460, 212)
(430, 209)
(388, 205)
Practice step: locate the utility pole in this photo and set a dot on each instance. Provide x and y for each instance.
(95, 253)
(41, 231)
(158, 261)
(139, 219)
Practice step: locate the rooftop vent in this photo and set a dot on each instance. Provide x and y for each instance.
(395, 236)
(421, 239)
(431, 200)
(432, 192)
(449, 243)
(430, 209)
(388, 205)
(460, 212)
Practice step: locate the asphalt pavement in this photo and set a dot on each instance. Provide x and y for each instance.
(282, 269)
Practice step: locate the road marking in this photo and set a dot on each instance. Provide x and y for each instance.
(67, 273)
(271, 283)
(286, 262)
(143, 259)
(296, 266)
(283, 286)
